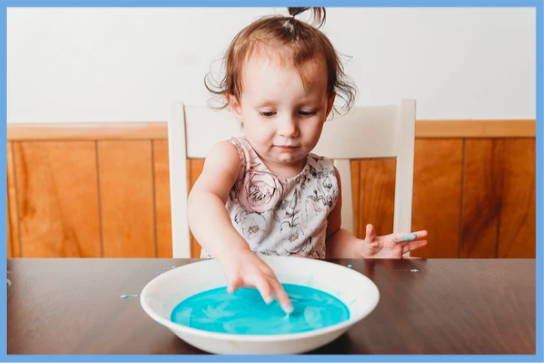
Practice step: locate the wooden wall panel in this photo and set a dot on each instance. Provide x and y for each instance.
(482, 183)
(516, 237)
(475, 128)
(9, 253)
(87, 131)
(157, 130)
(436, 204)
(195, 168)
(126, 194)
(12, 225)
(57, 199)
(377, 193)
(162, 199)
(52, 182)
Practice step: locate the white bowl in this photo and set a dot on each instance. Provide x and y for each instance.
(159, 297)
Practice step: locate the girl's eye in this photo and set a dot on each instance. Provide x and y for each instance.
(267, 113)
(307, 113)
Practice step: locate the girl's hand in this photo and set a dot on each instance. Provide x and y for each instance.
(246, 269)
(393, 245)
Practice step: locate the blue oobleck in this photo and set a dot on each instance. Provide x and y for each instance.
(245, 312)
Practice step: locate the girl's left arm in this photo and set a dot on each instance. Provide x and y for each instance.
(341, 243)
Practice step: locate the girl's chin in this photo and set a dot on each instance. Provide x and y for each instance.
(297, 163)
(288, 158)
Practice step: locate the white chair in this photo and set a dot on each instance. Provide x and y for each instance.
(364, 133)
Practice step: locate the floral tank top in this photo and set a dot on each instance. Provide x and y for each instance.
(278, 215)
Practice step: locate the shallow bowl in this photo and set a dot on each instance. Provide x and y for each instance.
(159, 297)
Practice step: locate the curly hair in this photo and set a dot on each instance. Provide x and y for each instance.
(296, 41)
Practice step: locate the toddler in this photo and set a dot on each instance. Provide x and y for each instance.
(265, 192)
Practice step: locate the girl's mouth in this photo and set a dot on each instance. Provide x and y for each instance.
(286, 147)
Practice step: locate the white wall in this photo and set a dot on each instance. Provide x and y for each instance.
(128, 64)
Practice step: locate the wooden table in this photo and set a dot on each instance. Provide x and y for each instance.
(436, 306)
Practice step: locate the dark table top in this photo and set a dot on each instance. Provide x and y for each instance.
(435, 306)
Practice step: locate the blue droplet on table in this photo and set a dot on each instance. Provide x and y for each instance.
(126, 296)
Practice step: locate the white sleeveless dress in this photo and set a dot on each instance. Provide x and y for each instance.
(278, 215)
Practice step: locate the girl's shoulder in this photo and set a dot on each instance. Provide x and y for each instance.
(246, 154)
(224, 155)
(223, 148)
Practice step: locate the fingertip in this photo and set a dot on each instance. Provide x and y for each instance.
(288, 308)
(286, 305)
(233, 285)
(422, 233)
(369, 233)
(285, 302)
(231, 288)
(279, 291)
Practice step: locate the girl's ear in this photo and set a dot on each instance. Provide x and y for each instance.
(234, 106)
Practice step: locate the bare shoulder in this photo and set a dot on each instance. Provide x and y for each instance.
(221, 169)
(223, 156)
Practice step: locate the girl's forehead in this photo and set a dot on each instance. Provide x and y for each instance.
(266, 66)
(282, 55)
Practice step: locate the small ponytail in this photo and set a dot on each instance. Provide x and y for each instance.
(319, 14)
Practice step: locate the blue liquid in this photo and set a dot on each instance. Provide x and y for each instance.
(245, 312)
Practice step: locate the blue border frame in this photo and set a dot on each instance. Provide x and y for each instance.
(274, 358)
(537, 4)
(270, 3)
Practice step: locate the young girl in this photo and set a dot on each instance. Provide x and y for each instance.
(265, 192)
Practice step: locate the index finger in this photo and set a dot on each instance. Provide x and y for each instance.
(264, 289)
(282, 297)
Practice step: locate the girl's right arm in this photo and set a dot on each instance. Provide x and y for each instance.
(211, 226)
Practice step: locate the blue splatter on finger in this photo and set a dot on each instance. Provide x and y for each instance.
(408, 237)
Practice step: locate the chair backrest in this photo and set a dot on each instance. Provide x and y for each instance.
(364, 133)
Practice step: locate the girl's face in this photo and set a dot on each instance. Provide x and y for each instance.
(282, 117)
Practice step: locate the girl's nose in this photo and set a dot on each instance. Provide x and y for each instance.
(288, 127)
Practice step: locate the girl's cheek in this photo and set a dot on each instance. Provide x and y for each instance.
(259, 134)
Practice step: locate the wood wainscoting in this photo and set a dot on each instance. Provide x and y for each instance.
(102, 189)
